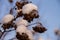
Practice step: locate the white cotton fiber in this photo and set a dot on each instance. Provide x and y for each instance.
(28, 8)
(21, 22)
(29, 33)
(21, 29)
(7, 18)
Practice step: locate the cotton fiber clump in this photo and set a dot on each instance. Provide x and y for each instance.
(21, 29)
(22, 22)
(7, 18)
(29, 33)
(28, 8)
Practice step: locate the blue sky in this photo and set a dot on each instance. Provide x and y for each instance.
(49, 10)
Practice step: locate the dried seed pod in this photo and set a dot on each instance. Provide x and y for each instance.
(28, 18)
(22, 36)
(7, 25)
(39, 29)
(34, 14)
(20, 4)
(8, 21)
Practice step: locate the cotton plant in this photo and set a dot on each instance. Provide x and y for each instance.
(26, 12)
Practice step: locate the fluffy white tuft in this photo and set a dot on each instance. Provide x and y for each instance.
(7, 18)
(29, 33)
(21, 29)
(21, 22)
(28, 8)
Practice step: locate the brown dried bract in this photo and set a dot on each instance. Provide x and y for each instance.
(28, 18)
(22, 36)
(20, 4)
(34, 14)
(39, 29)
(8, 25)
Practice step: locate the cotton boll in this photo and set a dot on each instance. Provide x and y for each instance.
(29, 33)
(7, 18)
(21, 29)
(22, 36)
(22, 22)
(26, 9)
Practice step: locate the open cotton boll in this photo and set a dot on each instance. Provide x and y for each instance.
(22, 22)
(29, 33)
(7, 18)
(26, 9)
(21, 29)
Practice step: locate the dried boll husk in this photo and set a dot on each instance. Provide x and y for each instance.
(20, 4)
(39, 29)
(26, 9)
(22, 36)
(27, 35)
(28, 18)
(34, 14)
(7, 21)
(7, 25)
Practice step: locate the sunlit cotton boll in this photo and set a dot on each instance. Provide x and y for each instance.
(26, 9)
(21, 29)
(29, 33)
(21, 22)
(7, 18)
